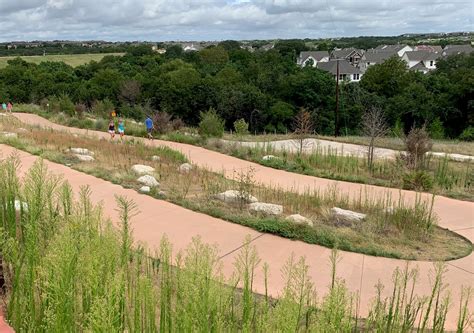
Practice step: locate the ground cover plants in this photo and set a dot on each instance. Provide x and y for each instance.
(66, 268)
(385, 232)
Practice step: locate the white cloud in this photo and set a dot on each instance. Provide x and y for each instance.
(227, 19)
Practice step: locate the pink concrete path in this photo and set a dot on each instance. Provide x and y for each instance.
(360, 272)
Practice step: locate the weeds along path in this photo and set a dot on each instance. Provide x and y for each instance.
(360, 272)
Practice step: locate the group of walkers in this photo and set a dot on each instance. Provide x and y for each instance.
(7, 107)
(121, 128)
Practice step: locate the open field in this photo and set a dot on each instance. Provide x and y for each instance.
(70, 59)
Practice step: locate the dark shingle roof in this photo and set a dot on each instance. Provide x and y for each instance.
(421, 55)
(317, 55)
(345, 67)
(390, 48)
(419, 67)
(378, 57)
(457, 49)
(344, 53)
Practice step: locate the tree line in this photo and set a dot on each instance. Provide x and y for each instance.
(266, 89)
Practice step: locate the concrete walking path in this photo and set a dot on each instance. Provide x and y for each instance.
(340, 148)
(360, 272)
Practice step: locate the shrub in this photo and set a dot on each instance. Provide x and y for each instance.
(417, 180)
(134, 112)
(467, 134)
(436, 129)
(241, 127)
(66, 105)
(80, 109)
(417, 144)
(211, 124)
(162, 122)
(103, 108)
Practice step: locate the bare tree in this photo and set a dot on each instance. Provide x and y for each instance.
(303, 126)
(373, 126)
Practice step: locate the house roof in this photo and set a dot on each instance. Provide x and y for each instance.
(390, 48)
(345, 67)
(378, 57)
(421, 55)
(429, 48)
(317, 55)
(457, 49)
(345, 53)
(419, 67)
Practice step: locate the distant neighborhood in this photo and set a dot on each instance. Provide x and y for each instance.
(352, 63)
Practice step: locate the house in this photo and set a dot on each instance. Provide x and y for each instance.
(373, 57)
(457, 49)
(189, 47)
(347, 72)
(352, 55)
(422, 59)
(312, 57)
(399, 49)
(429, 48)
(267, 47)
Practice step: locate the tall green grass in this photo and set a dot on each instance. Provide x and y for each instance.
(68, 270)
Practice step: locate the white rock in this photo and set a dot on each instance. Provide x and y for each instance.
(8, 135)
(142, 169)
(145, 189)
(84, 158)
(19, 205)
(233, 197)
(268, 157)
(185, 168)
(347, 215)
(148, 181)
(266, 208)
(81, 151)
(21, 129)
(155, 158)
(299, 219)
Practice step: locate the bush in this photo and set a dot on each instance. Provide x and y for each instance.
(211, 124)
(436, 129)
(417, 144)
(162, 122)
(417, 180)
(241, 127)
(103, 108)
(467, 134)
(66, 105)
(134, 112)
(80, 110)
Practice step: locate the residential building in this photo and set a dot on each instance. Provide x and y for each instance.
(312, 57)
(399, 49)
(457, 49)
(347, 72)
(373, 57)
(429, 48)
(423, 60)
(352, 55)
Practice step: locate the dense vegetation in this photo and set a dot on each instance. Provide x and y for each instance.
(264, 88)
(66, 269)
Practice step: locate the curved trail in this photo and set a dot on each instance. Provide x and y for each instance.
(360, 272)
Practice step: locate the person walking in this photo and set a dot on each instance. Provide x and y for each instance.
(121, 129)
(9, 107)
(4, 107)
(112, 129)
(149, 127)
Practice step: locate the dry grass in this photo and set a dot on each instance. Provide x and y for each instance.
(73, 60)
(379, 235)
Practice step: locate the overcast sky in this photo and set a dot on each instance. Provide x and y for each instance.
(161, 20)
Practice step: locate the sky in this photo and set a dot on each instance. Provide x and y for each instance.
(164, 20)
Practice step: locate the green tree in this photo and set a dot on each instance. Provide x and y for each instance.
(386, 79)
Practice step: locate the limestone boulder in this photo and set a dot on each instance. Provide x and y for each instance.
(156, 158)
(346, 216)
(234, 197)
(142, 169)
(269, 157)
(81, 151)
(84, 158)
(9, 135)
(185, 168)
(148, 181)
(144, 189)
(266, 208)
(299, 219)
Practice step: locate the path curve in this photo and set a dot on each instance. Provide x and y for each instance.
(360, 272)
(341, 148)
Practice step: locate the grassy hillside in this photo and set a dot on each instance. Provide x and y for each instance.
(70, 59)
